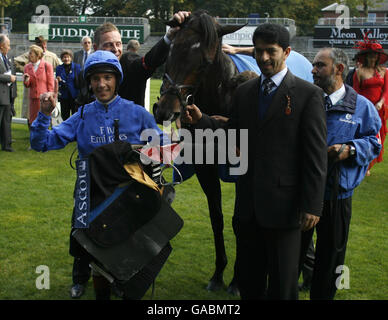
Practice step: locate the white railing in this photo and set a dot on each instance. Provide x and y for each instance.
(256, 21)
(91, 20)
(356, 21)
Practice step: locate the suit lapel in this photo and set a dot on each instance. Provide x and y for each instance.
(279, 101)
(2, 65)
(40, 69)
(253, 111)
(32, 73)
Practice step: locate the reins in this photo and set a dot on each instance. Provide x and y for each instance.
(175, 89)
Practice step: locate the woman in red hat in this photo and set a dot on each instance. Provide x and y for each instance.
(371, 81)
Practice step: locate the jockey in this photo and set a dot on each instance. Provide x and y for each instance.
(98, 123)
(93, 124)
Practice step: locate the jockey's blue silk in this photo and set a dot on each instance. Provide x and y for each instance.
(96, 127)
(296, 63)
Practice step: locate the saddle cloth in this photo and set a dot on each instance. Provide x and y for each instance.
(130, 224)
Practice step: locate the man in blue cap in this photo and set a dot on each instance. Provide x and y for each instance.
(93, 125)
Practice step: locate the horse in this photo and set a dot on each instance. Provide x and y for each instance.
(196, 68)
(198, 71)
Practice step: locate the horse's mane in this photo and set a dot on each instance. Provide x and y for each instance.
(202, 23)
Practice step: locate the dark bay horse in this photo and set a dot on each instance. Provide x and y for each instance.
(196, 68)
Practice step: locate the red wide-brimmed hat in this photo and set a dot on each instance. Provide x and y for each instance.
(370, 45)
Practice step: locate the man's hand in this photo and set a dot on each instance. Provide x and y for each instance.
(379, 105)
(220, 118)
(335, 152)
(229, 49)
(192, 114)
(48, 100)
(180, 18)
(308, 221)
(226, 48)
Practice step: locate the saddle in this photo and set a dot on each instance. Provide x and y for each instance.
(130, 222)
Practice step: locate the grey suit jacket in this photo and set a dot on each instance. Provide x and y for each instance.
(5, 90)
(79, 57)
(14, 85)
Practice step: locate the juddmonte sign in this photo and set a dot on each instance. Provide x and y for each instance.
(346, 38)
(75, 32)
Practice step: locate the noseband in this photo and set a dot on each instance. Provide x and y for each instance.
(175, 89)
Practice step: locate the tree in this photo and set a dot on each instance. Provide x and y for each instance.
(80, 6)
(304, 12)
(21, 11)
(366, 4)
(108, 8)
(5, 4)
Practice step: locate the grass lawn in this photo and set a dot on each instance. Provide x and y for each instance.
(35, 212)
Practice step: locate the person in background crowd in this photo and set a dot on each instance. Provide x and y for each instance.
(39, 78)
(371, 81)
(48, 56)
(136, 72)
(22, 60)
(352, 126)
(349, 76)
(7, 94)
(66, 73)
(4, 29)
(133, 46)
(80, 56)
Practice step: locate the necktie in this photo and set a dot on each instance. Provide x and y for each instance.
(268, 86)
(5, 62)
(328, 103)
(86, 56)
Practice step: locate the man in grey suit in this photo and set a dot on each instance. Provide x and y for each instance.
(81, 55)
(7, 94)
(282, 191)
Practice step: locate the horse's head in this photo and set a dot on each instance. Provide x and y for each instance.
(195, 49)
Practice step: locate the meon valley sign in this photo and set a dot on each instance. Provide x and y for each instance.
(331, 36)
(74, 32)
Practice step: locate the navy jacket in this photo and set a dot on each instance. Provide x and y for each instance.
(67, 87)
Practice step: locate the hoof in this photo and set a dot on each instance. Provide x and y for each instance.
(77, 290)
(215, 285)
(233, 290)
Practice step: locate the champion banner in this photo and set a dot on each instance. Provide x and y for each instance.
(82, 195)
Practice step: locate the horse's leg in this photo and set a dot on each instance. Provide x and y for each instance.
(233, 287)
(208, 178)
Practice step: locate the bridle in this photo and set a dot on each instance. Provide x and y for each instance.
(176, 89)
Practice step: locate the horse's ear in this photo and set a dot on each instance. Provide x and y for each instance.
(223, 30)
